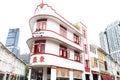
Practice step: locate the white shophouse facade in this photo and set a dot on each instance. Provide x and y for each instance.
(10, 66)
(56, 47)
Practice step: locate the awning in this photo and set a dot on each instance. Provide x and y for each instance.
(94, 72)
(62, 72)
(109, 77)
(77, 74)
(104, 77)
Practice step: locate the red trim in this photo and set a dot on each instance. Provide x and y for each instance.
(56, 13)
(53, 66)
(87, 69)
(94, 72)
(76, 30)
(57, 38)
(56, 56)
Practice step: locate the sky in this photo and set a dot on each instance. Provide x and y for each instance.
(94, 14)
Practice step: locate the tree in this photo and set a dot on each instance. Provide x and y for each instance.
(26, 72)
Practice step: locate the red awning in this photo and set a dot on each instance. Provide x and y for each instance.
(94, 72)
(104, 77)
(109, 77)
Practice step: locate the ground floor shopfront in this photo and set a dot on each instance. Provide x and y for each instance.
(9, 76)
(106, 77)
(54, 73)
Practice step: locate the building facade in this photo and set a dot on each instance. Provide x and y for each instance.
(103, 67)
(94, 63)
(12, 41)
(110, 40)
(11, 67)
(58, 49)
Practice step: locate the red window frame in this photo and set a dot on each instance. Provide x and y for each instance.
(39, 47)
(84, 33)
(76, 39)
(87, 64)
(41, 24)
(63, 31)
(77, 56)
(64, 52)
(85, 49)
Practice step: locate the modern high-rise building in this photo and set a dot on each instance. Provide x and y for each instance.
(110, 40)
(12, 41)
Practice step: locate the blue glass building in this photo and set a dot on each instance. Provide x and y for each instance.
(12, 41)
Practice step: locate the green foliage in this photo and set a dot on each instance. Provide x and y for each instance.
(26, 72)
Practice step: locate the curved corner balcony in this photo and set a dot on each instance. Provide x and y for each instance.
(51, 35)
(48, 59)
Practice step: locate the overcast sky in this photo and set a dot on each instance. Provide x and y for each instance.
(95, 14)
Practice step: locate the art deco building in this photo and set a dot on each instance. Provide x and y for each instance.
(58, 49)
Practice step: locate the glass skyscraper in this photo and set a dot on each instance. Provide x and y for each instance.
(12, 41)
(110, 40)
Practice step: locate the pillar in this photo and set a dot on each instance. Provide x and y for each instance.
(29, 74)
(4, 78)
(70, 74)
(44, 73)
(53, 73)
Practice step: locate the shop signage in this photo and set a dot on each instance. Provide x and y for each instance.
(38, 59)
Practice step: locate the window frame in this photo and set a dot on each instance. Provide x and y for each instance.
(63, 52)
(77, 56)
(76, 39)
(38, 49)
(41, 24)
(63, 31)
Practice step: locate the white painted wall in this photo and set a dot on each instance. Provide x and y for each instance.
(57, 61)
(52, 47)
(69, 35)
(52, 25)
(9, 63)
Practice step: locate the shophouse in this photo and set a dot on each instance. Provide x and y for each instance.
(58, 49)
(103, 65)
(95, 75)
(11, 67)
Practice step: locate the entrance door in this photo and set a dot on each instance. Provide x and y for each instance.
(87, 76)
(95, 77)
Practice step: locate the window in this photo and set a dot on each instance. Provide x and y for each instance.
(77, 56)
(41, 24)
(76, 39)
(39, 47)
(92, 49)
(63, 31)
(85, 48)
(105, 63)
(87, 63)
(64, 52)
(95, 62)
(84, 33)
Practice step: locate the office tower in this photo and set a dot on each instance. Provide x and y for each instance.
(12, 41)
(110, 40)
